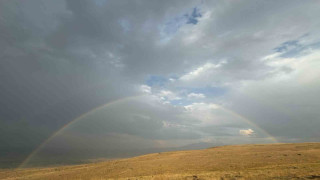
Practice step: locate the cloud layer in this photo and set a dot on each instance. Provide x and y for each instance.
(201, 71)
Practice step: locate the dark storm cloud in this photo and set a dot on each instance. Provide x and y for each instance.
(60, 59)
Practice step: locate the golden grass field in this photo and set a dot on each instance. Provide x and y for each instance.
(267, 161)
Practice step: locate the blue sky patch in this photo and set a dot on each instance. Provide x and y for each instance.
(294, 48)
(174, 24)
(180, 102)
(154, 80)
(193, 17)
(207, 91)
(287, 46)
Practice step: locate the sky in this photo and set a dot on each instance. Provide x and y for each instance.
(106, 78)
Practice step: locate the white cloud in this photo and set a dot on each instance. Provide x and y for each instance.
(286, 100)
(211, 114)
(200, 106)
(299, 65)
(200, 71)
(168, 95)
(145, 89)
(246, 132)
(172, 80)
(196, 96)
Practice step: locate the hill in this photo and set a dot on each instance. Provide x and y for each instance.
(267, 161)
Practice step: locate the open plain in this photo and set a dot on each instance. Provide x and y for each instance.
(267, 161)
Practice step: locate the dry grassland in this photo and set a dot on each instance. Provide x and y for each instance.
(269, 161)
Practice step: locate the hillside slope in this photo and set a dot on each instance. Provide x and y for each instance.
(268, 161)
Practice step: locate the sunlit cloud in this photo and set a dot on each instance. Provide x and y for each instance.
(246, 132)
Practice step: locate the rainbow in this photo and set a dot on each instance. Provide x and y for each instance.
(58, 132)
(249, 122)
(25, 162)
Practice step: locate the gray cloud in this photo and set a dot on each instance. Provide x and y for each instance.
(61, 59)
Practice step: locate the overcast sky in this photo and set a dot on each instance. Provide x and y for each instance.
(174, 73)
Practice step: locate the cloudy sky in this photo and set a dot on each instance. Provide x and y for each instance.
(136, 75)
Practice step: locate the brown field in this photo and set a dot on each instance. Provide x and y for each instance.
(268, 161)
